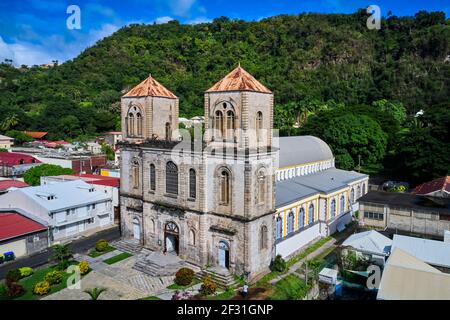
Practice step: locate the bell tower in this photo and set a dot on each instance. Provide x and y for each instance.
(239, 112)
(149, 111)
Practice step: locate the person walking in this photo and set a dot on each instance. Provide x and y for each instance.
(245, 291)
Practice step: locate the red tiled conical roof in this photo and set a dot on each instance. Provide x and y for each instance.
(239, 80)
(150, 88)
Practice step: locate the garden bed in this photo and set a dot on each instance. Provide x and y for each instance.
(94, 253)
(119, 257)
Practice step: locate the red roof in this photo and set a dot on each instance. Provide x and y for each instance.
(36, 134)
(150, 88)
(6, 184)
(13, 159)
(439, 184)
(239, 80)
(14, 225)
(93, 179)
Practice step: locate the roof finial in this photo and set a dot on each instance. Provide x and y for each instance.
(150, 75)
(239, 64)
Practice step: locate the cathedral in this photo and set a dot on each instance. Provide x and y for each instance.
(235, 195)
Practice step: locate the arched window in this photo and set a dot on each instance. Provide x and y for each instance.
(261, 186)
(134, 122)
(171, 178)
(135, 174)
(342, 204)
(352, 196)
(311, 214)
(333, 208)
(192, 237)
(301, 217)
(364, 189)
(139, 124)
(168, 131)
(263, 238)
(218, 124)
(224, 187)
(290, 222)
(259, 125)
(130, 125)
(230, 124)
(152, 226)
(152, 177)
(279, 228)
(192, 184)
(358, 193)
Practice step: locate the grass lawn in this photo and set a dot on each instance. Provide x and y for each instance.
(119, 257)
(94, 253)
(289, 288)
(307, 251)
(175, 286)
(38, 276)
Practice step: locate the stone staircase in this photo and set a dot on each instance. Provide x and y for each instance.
(128, 245)
(219, 275)
(158, 265)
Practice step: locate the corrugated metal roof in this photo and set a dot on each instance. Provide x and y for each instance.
(150, 88)
(239, 80)
(14, 225)
(298, 150)
(439, 184)
(36, 134)
(370, 242)
(408, 278)
(434, 252)
(297, 188)
(14, 158)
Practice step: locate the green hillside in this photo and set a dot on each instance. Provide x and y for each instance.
(312, 62)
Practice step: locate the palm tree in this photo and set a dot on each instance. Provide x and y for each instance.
(9, 122)
(61, 254)
(94, 293)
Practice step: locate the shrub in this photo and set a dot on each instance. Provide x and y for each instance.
(13, 275)
(2, 258)
(9, 256)
(25, 272)
(84, 267)
(15, 289)
(41, 288)
(208, 287)
(278, 264)
(101, 245)
(53, 277)
(63, 265)
(184, 276)
(3, 290)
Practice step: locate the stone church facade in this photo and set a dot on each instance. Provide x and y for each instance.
(211, 202)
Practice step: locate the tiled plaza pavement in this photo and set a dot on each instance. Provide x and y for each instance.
(120, 279)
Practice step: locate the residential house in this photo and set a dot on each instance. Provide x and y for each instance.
(14, 164)
(22, 233)
(70, 209)
(371, 244)
(10, 185)
(6, 142)
(439, 187)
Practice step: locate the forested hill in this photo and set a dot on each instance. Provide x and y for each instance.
(307, 57)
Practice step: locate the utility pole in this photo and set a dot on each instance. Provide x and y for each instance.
(359, 163)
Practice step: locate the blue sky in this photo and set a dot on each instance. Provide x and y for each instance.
(35, 32)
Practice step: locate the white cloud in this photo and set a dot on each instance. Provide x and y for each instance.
(199, 20)
(161, 20)
(54, 47)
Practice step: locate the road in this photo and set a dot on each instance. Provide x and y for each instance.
(77, 246)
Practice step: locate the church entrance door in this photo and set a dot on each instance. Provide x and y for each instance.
(224, 255)
(171, 238)
(136, 229)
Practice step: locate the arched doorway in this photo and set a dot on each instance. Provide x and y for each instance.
(136, 229)
(171, 238)
(224, 254)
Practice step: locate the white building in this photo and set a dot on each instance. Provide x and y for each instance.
(70, 209)
(6, 142)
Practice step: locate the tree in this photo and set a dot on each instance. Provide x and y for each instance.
(61, 254)
(110, 154)
(33, 176)
(95, 293)
(396, 110)
(350, 137)
(19, 137)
